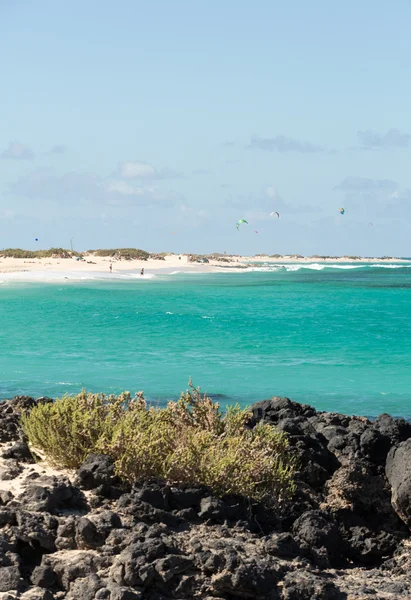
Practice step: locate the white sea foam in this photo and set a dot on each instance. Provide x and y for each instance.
(59, 276)
(321, 267)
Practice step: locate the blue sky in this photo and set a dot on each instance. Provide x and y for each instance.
(159, 124)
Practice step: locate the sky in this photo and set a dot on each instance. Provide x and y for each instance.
(158, 124)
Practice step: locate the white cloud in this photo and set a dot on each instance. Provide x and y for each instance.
(85, 189)
(58, 149)
(271, 192)
(132, 169)
(393, 138)
(136, 170)
(18, 151)
(7, 214)
(282, 143)
(366, 184)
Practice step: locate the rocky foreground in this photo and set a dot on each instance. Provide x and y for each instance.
(345, 534)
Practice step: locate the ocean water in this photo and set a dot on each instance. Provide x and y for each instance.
(337, 337)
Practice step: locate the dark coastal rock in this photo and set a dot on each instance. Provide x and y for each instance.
(44, 577)
(21, 403)
(398, 470)
(51, 494)
(340, 537)
(36, 593)
(154, 494)
(10, 579)
(249, 580)
(96, 471)
(19, 451)
(44, 400)
(394, 429)
(282, 545)
(68, 566)
(5, 497)
(318, 538)
(85, 588)
(10, 470)
(301, 585)
(171, 565)
(66, 533)
(92, 532)
(37, 530)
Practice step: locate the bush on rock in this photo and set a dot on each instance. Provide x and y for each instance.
(188, 441)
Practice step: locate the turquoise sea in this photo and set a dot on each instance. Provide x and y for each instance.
(337, 337)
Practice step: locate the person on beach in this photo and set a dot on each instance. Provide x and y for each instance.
(142, 272)
(111, 268)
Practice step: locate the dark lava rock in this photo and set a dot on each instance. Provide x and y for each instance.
(126, 569)
(66, 532)
(36, 593)
(117, 592)
(395, 430)
(5, 497)
(91, 532)
(20, 403)
(318, 538)
(398, 470)
(69, 567)
(186, 498)
(43, 577)
(300, 585)
(255, 580)
(171, 565)
(281, 544)
(10, 579)
(44, 400)
(19, 451)
(10, 470)
(87, 535)
(50, 494)
(154, 494)
(85, 588)
(218, 510)
(37, 529)
(97, 470)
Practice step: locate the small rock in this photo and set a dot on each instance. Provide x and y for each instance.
(19, 451)
(10, 470)
(171, 565)
(10, 579)
(97, 470)
(85, 588)
(43, 576)
(300, 585)
(5, 497)
(398, 471)
(37, 594)
(318, 537)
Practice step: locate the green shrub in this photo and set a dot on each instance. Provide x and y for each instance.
(122, 253)
(17, 253)
(52, 252)
(189, 441)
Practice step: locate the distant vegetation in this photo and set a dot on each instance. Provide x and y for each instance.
(122, 253)
(189, 441)
(51, 253)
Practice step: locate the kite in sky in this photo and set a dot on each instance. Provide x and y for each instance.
(240, 222)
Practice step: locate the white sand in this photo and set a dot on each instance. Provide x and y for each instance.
(17, 485)
(98, 267)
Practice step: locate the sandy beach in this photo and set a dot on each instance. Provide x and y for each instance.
(95, 266)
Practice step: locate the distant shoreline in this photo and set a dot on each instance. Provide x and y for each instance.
(97, 267)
